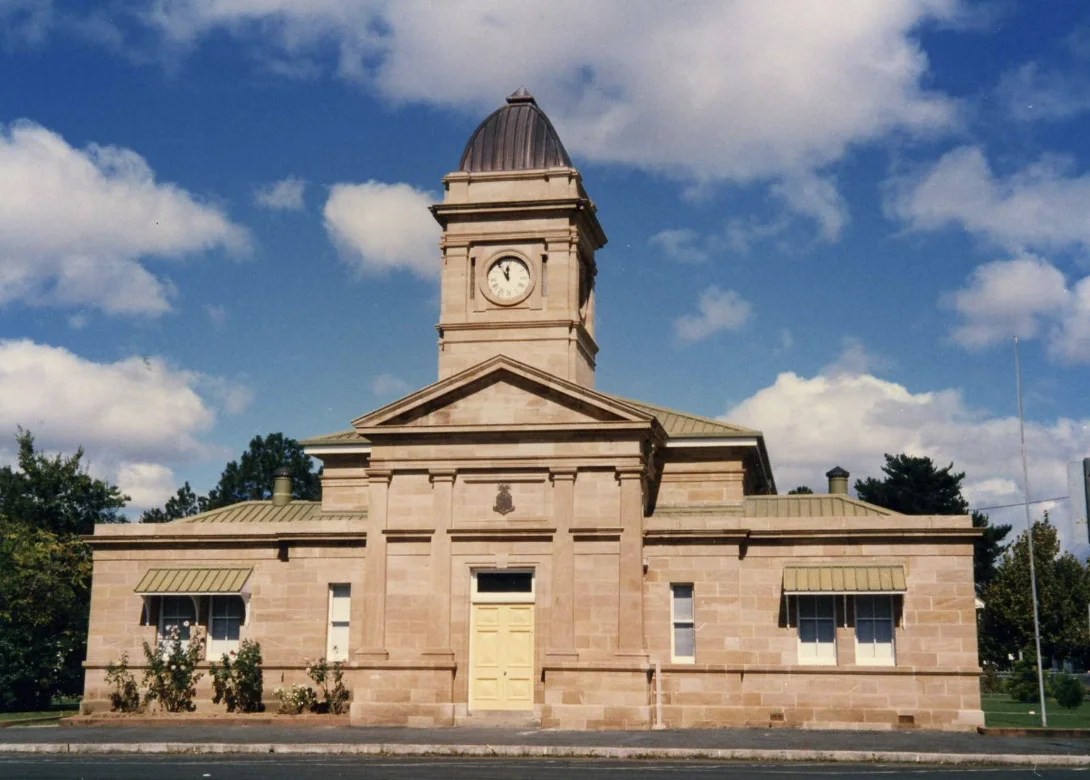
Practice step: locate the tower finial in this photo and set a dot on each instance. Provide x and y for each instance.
(521, 95)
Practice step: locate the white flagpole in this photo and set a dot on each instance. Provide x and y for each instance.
(1029, 539)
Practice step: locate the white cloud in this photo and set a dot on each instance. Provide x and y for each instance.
(719, 310)
(1070, 337)
(217, 314)
(146, 484)
(815, 197)
(682, 245)
(389, 386)
(283, 195)
(704, 91)
(381, 227)
(811, 425)
(854, 359)
(1007, 298)
(75, 225)
(1032, 92)
(133, 417)
(1026, 296)
(25, 21)
(1040, 206)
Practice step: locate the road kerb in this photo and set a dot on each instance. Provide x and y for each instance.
(548, 751)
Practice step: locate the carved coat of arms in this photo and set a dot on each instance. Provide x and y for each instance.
(504, 503)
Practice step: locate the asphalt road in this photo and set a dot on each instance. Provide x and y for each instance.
(327, 768)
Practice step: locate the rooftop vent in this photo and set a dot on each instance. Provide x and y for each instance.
(281, 486)
(838, 481)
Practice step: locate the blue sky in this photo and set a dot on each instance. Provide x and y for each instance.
(825, 220)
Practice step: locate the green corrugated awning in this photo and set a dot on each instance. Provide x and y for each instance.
(193, 581)
(843, 579)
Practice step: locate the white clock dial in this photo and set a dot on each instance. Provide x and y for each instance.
(508, 278)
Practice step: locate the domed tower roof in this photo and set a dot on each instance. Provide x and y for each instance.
(517, 137)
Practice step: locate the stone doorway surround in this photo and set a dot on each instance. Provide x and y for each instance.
(502, 641)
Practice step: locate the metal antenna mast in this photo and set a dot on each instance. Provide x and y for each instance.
(1029, 538)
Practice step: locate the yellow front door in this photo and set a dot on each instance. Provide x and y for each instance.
(503, 657)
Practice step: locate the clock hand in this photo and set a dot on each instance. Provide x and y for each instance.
(506, 271)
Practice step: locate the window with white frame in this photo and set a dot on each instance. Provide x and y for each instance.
(176, 612)
(226, 616)
(683, 624)
(817, 630)
(340, 599)
(874, 630)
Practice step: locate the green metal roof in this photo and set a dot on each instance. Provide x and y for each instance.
(811, 505)
(340, 437)
(685, 426)
(266, 512)
(844, 579)
(189, 580)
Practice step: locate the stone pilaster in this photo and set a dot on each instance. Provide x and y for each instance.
(562, 609)
(442, 481)
(630, 639)
(374, 580)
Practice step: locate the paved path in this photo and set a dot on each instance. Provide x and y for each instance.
(746, 739)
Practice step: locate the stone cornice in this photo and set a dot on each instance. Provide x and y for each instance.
(494, 532)
(746, 536)
(229, 539)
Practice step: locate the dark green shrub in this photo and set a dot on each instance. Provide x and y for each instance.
(125, 696)
(238, 680)
(330, 681)
(301, 698)
(1068, 690)
(989, 680)
(1023, 685)
(171, 677)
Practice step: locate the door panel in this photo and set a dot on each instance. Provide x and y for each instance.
(519, 656)
(503, 657)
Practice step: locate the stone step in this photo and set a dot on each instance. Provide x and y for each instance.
(499, 719)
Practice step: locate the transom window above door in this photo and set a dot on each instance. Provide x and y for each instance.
(503, 585)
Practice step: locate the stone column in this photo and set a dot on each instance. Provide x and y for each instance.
(374, 579)
(630, 639)
(562, 609)
(442, 481)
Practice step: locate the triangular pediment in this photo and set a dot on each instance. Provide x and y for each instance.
(501, 393)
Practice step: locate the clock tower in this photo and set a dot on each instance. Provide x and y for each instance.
(519, 237)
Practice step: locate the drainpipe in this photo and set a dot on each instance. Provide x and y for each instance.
(658, 697)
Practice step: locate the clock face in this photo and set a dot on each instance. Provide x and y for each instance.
(508, 279)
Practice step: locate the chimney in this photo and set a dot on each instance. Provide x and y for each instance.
(838, 481)
(281, 486)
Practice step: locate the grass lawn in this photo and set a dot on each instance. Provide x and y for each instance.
(61, 708)
(7, 717)
(1001, 710)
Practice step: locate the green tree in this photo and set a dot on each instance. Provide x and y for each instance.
(1063, 592)
(56, 493)
(44, 597)
(916, 486)
(250, 478)
(184, 503)
(801, 490)
(45, 570)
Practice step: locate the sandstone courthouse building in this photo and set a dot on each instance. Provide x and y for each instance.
(512, 540)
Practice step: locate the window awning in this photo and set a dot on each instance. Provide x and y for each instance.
(803, 580)
(190, 582)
